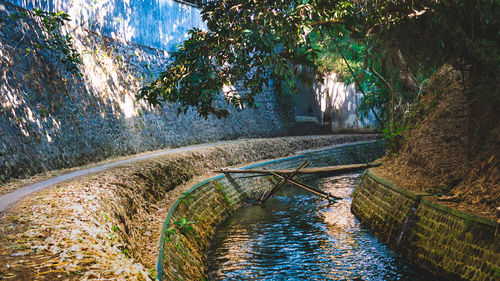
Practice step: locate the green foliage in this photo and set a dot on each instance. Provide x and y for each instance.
(496, 271)
(52, 23)
(184, 226)
(330, 60)
(388, 48)
(185, 197)
(262, 45)
(125, 252)
(169, 233)
(152, 273)
(220, 188)
(392, 136)
(429, 34)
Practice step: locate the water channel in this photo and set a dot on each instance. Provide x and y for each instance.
(296, 235)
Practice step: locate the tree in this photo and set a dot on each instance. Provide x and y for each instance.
(249, 43)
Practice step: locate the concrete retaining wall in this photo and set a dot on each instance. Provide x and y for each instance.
(449, 243)
(51, 119)
(161, 24)
(183, 252)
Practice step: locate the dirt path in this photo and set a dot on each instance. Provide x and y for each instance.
(9, 199)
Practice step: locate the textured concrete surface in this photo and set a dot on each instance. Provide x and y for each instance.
(161, 24)
(51, 119)
(451, 244)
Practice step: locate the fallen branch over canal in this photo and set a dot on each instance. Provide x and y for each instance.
(311, 189)
(283, 182)
(316, 170)
(287, 176)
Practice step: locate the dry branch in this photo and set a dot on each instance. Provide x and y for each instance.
(316, 170)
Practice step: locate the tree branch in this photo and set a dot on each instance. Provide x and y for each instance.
(325, 22)
(380, 78)
(357, 82)
(405, 74)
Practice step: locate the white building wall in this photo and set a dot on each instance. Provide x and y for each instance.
(331, 101)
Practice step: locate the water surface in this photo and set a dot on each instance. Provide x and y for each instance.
(296, 235)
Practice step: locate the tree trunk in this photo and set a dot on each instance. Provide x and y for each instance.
(405, 73)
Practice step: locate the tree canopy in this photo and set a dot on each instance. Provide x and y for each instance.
(384, 46)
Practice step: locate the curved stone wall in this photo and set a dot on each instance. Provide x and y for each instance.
(182, 252)
(52, 119)
(451, 244)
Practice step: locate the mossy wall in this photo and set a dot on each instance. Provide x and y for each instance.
(451, 244)
(183, 251)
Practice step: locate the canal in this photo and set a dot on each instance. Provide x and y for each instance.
(296, 235)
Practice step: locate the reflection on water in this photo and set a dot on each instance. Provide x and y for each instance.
(298, 236)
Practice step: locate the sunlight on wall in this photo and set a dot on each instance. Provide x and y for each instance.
(341, 101)
(331, 101)
(72, 120)
(160, 24)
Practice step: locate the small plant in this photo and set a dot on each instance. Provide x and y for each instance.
(16, 16)
(169, 233)
(125, 252)
(43, 111)
(392, 137)
(184, 226)
(152, 273)
(220, 188)
(185, 197)
(496, 271)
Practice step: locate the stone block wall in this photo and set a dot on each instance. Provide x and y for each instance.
(161, 24)
(449, 243)
(183, 252)
(51, 119)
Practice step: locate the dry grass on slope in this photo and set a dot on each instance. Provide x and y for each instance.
(445, 155)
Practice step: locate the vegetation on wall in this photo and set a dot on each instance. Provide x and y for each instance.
(54, 39)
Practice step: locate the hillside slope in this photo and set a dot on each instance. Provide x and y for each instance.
(452, 149)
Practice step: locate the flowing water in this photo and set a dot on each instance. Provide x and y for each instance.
(296, 235)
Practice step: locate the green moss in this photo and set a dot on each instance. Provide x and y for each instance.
(220, 188)
(448, 238)
(271, 179)
(496, 271)
(185, 197)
